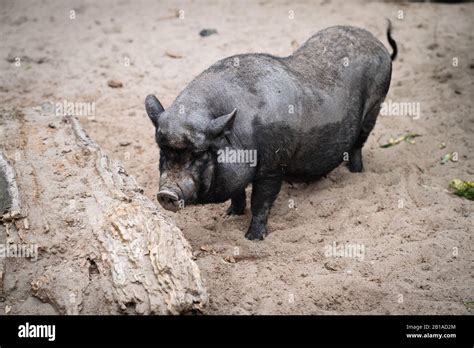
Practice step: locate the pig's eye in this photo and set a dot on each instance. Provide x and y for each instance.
(170, 153)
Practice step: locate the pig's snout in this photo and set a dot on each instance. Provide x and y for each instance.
(176, 190)
(168, 200)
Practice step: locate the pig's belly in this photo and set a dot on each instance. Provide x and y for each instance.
(322, 149)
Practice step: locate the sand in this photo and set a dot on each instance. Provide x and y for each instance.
(412, 236)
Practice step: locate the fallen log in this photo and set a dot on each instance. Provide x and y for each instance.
(97, 244)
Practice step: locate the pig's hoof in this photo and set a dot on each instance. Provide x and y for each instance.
(256, 234)
(356, 166)
(355, 161)
(232, 210)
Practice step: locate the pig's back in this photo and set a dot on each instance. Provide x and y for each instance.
(348, 71)
(333, 53)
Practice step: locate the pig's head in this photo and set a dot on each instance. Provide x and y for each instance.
(187, 159)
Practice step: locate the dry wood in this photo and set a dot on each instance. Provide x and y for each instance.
(103, 247)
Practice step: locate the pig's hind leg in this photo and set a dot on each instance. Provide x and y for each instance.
(264, 193)
(355, 157)
(237, 206)
(355, 160)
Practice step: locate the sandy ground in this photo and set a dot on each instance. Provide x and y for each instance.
(417, 236)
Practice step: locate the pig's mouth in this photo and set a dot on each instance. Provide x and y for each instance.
(168, 199)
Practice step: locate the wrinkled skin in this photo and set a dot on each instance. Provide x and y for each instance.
(302, 114)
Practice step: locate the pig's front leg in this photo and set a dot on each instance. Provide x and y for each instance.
(237, 206)
(264, 193)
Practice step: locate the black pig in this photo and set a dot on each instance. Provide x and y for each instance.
(300, 115)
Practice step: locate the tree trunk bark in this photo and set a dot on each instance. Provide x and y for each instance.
(78, 233)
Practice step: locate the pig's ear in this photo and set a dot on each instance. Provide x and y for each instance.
(220, 124)
(153, 109)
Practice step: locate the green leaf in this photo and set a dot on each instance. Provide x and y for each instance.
(407, 137)
(463, 188)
